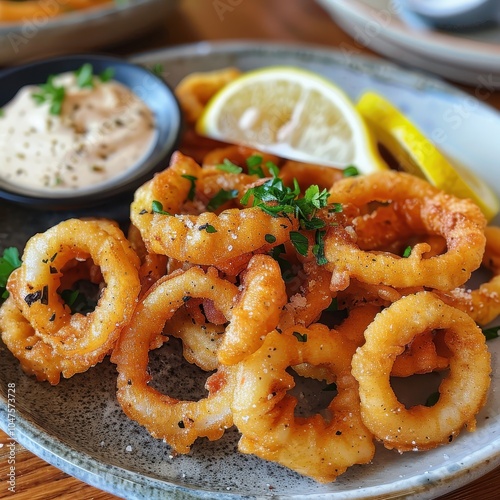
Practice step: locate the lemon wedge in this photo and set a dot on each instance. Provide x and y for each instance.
(295, 114)
(416, 154)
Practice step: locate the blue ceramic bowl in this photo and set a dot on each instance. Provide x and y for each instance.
(157, 95)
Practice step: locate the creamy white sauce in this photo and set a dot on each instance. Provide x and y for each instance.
(101, 133)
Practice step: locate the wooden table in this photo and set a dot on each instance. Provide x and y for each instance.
(196, 20)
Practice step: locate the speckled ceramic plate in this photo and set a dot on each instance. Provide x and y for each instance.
(78, 425)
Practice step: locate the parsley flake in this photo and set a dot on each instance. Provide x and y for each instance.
(8, 262)
(192, 189)
(51, 94)
(157, 208)
(301, 337)
(229, 166)
(350, 171)
(491, 333)
(221, 197)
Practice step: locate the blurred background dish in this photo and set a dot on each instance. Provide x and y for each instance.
(390, 28)
(81, 30)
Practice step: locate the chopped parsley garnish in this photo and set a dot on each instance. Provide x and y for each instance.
(300, 242)
(301, 337)
(208, 228)
(407, 252)
(51, 94)
(157, 69)
(254, 166)
(107, 75)
(229, 166)
(221, 197)
(270, 238)
(491, 333)
(279, 200)
(432, 399)
(8, 262)
(54, 95)
(318, 249)
(350, 171)
(192, 189)
(79, 302)
(157, 208)
(85, 76)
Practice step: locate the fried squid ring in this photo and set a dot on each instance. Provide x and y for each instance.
(430, 211)
(178, 422)
(35, 356)
(196, 89)
(482, 303)
(264, 412)
(200, 339)
(257, 310)
(462, 393)
(34, 285)
(206, 239)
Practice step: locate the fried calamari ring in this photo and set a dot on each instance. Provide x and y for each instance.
(196, 89)
(264, 412)
(312, 297)
(429, 211)
(35, 356)
(34, 285)
(421, 355)
(153, 266)
(257, 310)
(482, 303)
(200, 339)
(462, 393)
(178, 422)
(206, 239)
(307, 174)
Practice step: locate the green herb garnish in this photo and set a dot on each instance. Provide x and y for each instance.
(230, 167)
(157, 208)
(157, 69)
(85, 76)
(221, 197)
(350, 171)
(432, 399)
(491, 333)
(407, 252)
(107, 75)
(78, 302)
(51, 94)
(208, 228)
(301, 337)
(8, 262)
(254, 166)
(192, 188)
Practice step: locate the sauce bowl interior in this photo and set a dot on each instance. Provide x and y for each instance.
(156, 94)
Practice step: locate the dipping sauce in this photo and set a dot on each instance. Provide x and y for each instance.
(98, 133)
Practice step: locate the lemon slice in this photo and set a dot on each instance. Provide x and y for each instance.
(417, 155)
(292, 113)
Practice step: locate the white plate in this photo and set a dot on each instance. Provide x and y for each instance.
(78, 425)
(80, 31)
(385, 26)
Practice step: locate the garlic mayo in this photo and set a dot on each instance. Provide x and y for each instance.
(101, 133)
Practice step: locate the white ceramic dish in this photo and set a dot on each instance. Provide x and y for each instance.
(78, 425)
(388, 27)
(82, 31)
